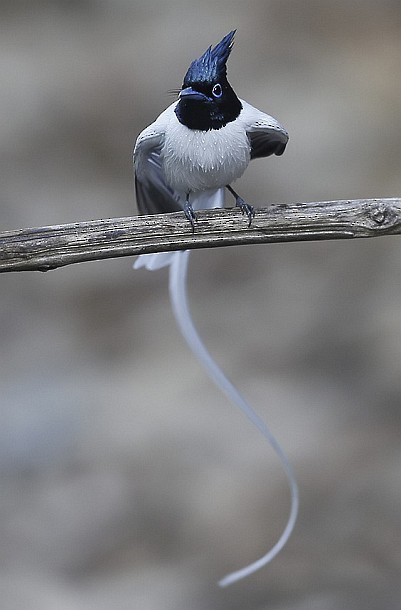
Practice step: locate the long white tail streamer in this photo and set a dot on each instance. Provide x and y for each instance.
(178, 296)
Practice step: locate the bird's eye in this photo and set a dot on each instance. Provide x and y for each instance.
(217, 90)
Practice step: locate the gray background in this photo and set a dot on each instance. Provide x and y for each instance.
(127, 479)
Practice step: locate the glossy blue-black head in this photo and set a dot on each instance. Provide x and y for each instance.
(212, 64)
(207, 100)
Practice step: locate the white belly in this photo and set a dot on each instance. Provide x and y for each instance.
(199, 160)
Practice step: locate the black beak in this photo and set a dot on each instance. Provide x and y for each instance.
(191, 94)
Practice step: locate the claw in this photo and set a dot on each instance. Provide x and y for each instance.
(245, 208)
(190, 214)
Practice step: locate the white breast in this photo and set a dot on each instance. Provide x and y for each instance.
(198, 160)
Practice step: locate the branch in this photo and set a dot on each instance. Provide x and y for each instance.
(50, 247)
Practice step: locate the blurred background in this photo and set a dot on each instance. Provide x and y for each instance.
(127, 479)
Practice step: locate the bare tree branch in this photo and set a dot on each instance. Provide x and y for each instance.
(50, 247)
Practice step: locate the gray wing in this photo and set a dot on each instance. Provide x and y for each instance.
(264, 144)
(153, 195)
(266, 135)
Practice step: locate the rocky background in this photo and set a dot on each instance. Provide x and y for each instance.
(127, 480)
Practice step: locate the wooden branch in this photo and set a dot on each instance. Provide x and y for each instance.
(50, 247)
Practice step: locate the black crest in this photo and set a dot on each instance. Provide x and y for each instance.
(212, 64)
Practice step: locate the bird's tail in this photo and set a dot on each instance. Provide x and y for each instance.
(178, 262)
(204, 200)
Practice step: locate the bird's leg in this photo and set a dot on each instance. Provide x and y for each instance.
(245, 207)
(189, 213)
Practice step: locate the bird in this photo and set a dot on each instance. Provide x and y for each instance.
(202, 142)
(184, 161)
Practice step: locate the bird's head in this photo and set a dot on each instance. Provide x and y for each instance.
(207, 100)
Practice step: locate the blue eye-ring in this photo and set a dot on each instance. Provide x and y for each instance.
(217, 90)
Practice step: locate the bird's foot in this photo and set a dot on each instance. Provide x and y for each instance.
(190, 214)
(245, 208)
